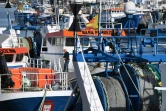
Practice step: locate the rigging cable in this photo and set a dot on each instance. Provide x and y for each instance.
(127, 74)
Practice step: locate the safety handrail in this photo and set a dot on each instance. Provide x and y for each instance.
(60, 78)
(39, 62)
(57, 65)
(15, 40)
(114, 24)
(149, 29)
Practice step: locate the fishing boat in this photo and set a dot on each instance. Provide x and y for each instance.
(54, 42)
(129, 84)
(127, 81)
(26, 81)
(23, 12)
(41, 87)
(115, 13)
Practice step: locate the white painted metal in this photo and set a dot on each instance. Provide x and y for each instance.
(163, 78)
(89, 94)
(91, 100)
(160, 88)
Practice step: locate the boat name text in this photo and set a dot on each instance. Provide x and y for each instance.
(7, 51)
(108, 32)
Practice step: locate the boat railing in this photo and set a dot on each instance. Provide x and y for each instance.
(39, 63)
(57, 65)
(110, 25)
(16, 40)
(44, 63)
(20, 44)
(27, 81)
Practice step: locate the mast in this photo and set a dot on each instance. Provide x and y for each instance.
(8, 15)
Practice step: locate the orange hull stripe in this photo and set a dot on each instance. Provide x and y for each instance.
(14, 50)
(66, 33)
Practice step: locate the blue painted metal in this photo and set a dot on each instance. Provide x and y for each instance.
(135, 48)
(154, 51)
(25, 27)
(93, 55)
(16, 66)
(25, 17)
(9, 23)
(150, 40)
(33, 19)
(101, 93)
(134, 95)
(131, 48)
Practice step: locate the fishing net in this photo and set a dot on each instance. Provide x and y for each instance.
(148, 77)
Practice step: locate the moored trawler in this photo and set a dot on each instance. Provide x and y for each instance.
(126, 80)
(31, 89)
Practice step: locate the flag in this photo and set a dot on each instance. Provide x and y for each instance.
(93, 24)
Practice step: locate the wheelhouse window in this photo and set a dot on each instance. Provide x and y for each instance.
(81, 22)
(55, 41)
(44, 42)
(9, 57)
(70, 42)
(49, 39)
(65, 22)
(85, 41)
(19, 57)
(59, 41)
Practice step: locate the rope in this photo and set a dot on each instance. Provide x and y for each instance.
(127, 93)
(77, 102)
(125, 68)
(127, 74)
(70, 97)
(41, 105)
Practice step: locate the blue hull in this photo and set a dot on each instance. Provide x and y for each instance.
(32, 104)
(17, 66)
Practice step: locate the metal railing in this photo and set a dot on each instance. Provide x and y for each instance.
(39, 63)
(27, 81)
(57, 65)
(42, 63)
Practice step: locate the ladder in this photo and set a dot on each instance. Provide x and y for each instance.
(89, 94)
